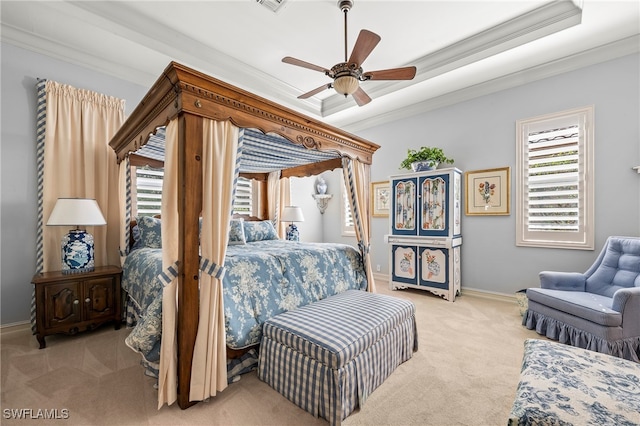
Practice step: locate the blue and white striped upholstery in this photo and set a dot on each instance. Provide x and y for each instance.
(328, 356)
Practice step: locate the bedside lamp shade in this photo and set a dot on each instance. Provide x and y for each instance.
(292, 214)
(77, 245)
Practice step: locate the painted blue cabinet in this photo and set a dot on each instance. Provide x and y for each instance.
(425, 232)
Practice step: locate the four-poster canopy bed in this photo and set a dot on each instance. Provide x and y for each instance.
(193, 106)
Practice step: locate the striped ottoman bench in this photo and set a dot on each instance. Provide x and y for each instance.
(327, 357)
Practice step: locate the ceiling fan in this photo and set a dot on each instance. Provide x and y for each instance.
(347, 75)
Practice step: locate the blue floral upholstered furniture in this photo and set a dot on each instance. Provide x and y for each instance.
(597, 310)
(564, 385)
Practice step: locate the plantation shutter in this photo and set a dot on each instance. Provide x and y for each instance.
(148, 191)
(553, 179)
(243, 201)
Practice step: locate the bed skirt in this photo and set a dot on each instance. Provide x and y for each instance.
(564, 333)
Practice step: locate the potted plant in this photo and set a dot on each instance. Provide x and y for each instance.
(426, 158)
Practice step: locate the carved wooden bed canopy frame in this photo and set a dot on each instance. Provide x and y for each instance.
(192, 96)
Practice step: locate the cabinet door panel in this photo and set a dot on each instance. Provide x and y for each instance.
(434, 267)
(434, 205)
(62, 304)
(404, 207)
(404, 267)
(99, 299)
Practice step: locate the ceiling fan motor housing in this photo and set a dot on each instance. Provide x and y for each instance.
(345, 5)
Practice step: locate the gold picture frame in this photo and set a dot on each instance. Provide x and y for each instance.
(380, 198)
(488, 192)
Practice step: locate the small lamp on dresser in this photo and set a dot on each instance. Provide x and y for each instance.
(77, 245)
(292, 214)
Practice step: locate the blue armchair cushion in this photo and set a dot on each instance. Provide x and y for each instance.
(619, 267)
(589, 306)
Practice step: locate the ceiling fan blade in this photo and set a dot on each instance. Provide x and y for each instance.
(365, 44)
(315, 91)
(298, 62)
(406, 73)
(361, 97)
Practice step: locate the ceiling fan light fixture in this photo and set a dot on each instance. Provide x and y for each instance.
(346, 84)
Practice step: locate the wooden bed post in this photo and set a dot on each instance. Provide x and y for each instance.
(190, 136)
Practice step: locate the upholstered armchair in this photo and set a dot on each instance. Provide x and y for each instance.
(597, 310)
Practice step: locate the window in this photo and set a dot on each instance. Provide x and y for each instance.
(148, 193)
(347, 219)
(243, 202)
(554, 172)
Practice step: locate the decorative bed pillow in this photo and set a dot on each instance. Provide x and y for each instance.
(236, 232)
(150, 232)
(259, 231)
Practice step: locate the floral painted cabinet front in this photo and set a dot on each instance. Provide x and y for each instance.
(425, 232)
(427, 204)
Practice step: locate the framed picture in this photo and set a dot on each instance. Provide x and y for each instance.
(488, 192)
(380, 199)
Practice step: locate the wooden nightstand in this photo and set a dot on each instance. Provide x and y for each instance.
(69, 303)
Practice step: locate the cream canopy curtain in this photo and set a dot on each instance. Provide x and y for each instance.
(78, 162)
(220, 172)
(355, 174)
(278, 196)
(168, 371)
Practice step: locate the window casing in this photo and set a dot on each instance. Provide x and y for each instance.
(555, 180)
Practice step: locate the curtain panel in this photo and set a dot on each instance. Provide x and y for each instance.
(78, 162)
(74, 127)
(355, 177)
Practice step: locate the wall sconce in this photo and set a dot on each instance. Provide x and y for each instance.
(322, 200)
(321, 196)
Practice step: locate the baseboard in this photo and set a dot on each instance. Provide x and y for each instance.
(473, 292)
(15, 327)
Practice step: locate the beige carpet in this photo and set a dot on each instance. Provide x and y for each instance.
(465, 373)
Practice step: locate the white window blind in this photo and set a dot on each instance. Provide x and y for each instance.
(243, 202)
(554, 172)
(553, 176)
(148, 191)
(347, 218)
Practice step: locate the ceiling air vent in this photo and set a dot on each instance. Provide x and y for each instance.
(272, 5)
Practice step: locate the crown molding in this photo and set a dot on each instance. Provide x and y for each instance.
(606, 52)
(540, 22)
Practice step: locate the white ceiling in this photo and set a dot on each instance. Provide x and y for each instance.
(462, 49)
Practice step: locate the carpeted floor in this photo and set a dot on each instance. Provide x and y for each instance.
(465, 373)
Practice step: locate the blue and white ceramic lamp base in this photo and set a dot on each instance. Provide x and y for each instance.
(292, 233)
(77, 252)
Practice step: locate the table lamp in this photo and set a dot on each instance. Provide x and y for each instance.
(77, 245)
(292, 214)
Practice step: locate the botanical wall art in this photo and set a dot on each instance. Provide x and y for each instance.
(488, 192)
(380, 199)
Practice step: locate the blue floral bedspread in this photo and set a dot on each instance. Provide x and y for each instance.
(565, 385)
(262, 279)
